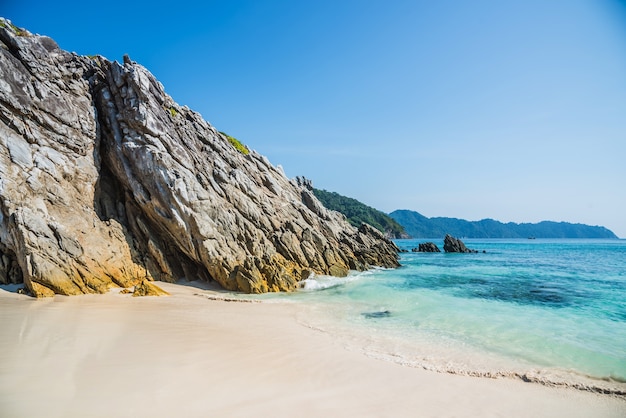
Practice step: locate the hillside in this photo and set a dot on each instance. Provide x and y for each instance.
(358, 212)
(420, 226)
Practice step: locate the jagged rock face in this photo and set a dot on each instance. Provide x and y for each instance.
(105, 180)
(455, 245)
(426, 247)
(50, 234)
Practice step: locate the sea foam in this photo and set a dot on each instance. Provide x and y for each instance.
(321, 282)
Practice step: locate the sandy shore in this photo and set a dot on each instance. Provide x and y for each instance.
(186, 355)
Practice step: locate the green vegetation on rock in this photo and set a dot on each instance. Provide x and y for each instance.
(6, 24)
(237, 144)
(357, 213)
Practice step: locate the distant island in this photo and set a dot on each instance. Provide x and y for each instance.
(404, 223)
(420, 226)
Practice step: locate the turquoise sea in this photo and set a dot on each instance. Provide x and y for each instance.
(552, 311)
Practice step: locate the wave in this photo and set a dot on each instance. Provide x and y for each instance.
(610, 385)
(444, 359)
(321, 282)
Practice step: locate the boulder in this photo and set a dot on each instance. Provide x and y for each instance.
(455, 245)
(148, 288)
(427, 247)
(106, 181)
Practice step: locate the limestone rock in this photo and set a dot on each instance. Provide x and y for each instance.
(455, 245)
(148, 288)
(51, 235)
(426, 247)
(106, 181)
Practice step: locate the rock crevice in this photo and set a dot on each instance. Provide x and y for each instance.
(106, 181)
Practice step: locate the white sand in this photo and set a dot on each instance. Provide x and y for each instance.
(185, 356)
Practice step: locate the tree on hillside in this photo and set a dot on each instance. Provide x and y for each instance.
(358, 213)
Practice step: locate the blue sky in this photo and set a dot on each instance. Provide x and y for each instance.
(474, 109)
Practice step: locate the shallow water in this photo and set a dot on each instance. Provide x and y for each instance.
(548, 310)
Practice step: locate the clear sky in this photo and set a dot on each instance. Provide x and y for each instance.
(511, 110)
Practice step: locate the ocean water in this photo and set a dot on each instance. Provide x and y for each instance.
(552, 311)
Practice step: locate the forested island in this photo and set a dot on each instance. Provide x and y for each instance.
(420, 226)
(411, 224)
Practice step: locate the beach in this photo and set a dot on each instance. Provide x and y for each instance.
(191, 354)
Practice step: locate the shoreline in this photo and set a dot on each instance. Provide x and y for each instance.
(448, 357)
(192, 354)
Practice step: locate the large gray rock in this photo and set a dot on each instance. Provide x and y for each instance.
(455, 245)
(106, 181)
(426, 247)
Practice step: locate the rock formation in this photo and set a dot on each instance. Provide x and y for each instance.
(426, 247)
(455, 245)
(106, 181)
(148, 288)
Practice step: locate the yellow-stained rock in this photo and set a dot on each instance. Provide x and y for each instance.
(148, 288)
(40, 291)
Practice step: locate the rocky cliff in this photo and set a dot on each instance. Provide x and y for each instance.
(106, 181)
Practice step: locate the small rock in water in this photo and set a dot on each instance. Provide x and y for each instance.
(455, 245)
(379, 314)
(427, 247)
